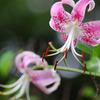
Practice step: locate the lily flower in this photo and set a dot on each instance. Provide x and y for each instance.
(72, 28)
(39, 77)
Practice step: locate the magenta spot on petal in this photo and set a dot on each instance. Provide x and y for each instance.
(64, 36)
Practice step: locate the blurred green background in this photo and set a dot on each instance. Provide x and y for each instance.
(24, 25)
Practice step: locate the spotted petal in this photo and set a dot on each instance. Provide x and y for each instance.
(91, 29)
(44, 78)
(91, 32)
(78, 11)
(59, 17)
(90, 41)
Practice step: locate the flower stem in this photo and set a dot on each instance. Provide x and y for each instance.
(75, 70)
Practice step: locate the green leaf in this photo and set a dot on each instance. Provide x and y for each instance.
(96, 51)
(6, 61)
(84, 47)
(93, 64)
(89, 92)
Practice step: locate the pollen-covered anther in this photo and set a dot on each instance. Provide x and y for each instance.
(47, 50)
(66, 51)
(83, 55)
(84, 67)
(43, 56)
(55, 65)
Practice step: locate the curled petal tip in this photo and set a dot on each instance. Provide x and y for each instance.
(91, 5)
(69, 2)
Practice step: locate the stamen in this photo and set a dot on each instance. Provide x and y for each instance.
(66, 53)
(47, 50)
(84, 67)
(83, 54)
(43, 56)
(14, 84)
(55, 65)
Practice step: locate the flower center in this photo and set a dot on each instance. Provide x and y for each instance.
(76, 22)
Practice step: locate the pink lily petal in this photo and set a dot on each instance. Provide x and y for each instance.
(91, 5)
(35, 60)
(79, 10)
(55, 27)
(91, 29)
(44, 78)
(69, 2)
(64, 36)
(19, 57)
(98, 40)
(91, 32)
(59, 17)
(87, 40)
(75, 42)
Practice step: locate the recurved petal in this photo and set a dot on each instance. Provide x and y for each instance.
(78, 11)
(56, 27)
(33, 60)
(69, 2)
(59, 17)
(91, 5)
(19, 58)
(43, 78)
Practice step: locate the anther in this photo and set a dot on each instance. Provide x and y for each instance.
(66, 53)
(43, 56)
(84, 67)
(47, 50)
(55, 65)
(83, 54)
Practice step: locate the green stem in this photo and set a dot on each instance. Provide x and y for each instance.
(75, 70)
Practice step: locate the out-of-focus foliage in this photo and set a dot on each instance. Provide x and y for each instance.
(96, 51)
(89, 92)
(93, 64)
(84, 47)
(6, 61)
